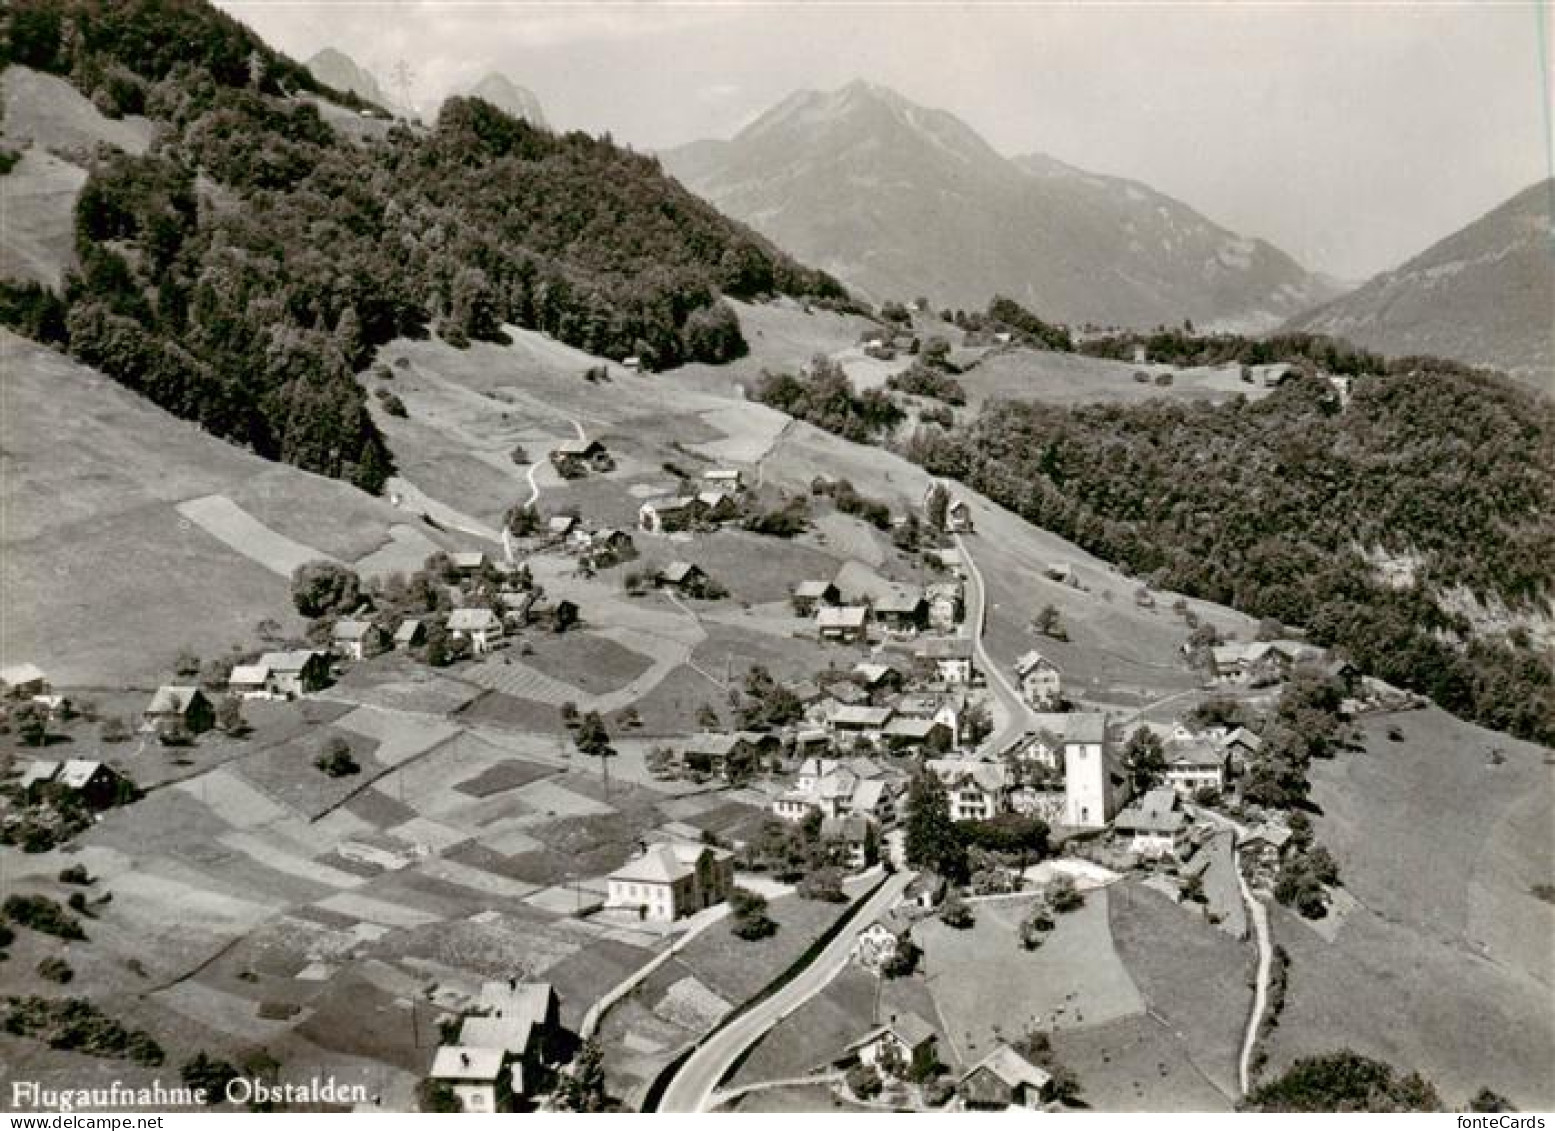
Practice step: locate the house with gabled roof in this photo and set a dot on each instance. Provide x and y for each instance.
(974, 788)
(481, 627)
(1153, 826)
(724, 478)
(1195, 765)
(249, 681)
(23, 681)
(953, 657)
(480, 1078)
(687, 577)
(812, 595)
(905, 1034)
(901, 610)
(670, 880)
(573, 458)
(1041, 683)
(669, 514)
(468, 562)
(173, 706)
(96, 783)
(297, 672)
(958, 516)
(845, 624)
(1004, 1079)
(357, 639)
(947, 605)
(410, 633)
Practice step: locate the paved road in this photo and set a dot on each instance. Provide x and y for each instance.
(691, 1089)
(1017, 716)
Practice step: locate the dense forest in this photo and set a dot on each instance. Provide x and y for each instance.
(1269, 507)
(244, 270)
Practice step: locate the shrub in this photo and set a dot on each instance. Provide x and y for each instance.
(391, 402)
(206, 1074)
(42, 914)
(75, 874)
(863, 1081)
(955, 913)
(336, 760)
(1064, 897)
(55, 970)
(78, 1025)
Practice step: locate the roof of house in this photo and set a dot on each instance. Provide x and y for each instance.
(1012, 1068)
(17, 674)
(38, 770)
(714, 499)
(899, 600)
(909, 1028)
(1155, 812)
(987, 776)
(1241, 736)
(918, 729)
(842, 616)
(676, 572)
(472, 620)
(860, 716)
(467, 559)
(249, 674)
(722, 473)
(77, 772)
(817, 767)
(1275, 835)
(814, 590)
(804, 690)
(947, 648)
(170, 699)
(719, 745)
(922, 705)
(664, 863)
(1194, 752)
(669, 503)
(289, 663)
(407, 630)
(353, 629)
(561, 523)
(872, 674)
(867, 795)
(844, 691)
(578, 447)
(1031, 661)
(463, 1062)
(854, 829)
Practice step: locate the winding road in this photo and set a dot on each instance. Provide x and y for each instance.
(691, 1088)
(1017, 716)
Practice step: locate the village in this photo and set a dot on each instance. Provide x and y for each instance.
(900, 774)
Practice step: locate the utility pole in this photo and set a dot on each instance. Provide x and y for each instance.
(404, 77)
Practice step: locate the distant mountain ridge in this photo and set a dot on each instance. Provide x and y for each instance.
(337, 69)
(507, 96)
(899, 200)
(1484, 295)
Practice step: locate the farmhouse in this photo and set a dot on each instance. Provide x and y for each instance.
(357, 639)
(95, 783)
(1195, 765)
(903, 735)
(1265, 844)
(1004, 1079)
(906, 1034)
(952, 657)
(610, 546)
(877, 678)
(482, 628)
(958, 517)
(975, 789)
(947, 605)
(249, 681)
(669, 514)
(577, 457)
(845, 623)
(686, 577)
(901, 610)
(296, 673)
(859, 722)
(1153, 826)
(1041, 683)
(23, 681)
(725, 755)
(521, 1020)
(940, 708)
(468, 563)
(410, 634)
(560, 525)
(517, 608)
(1242, 745)
(812, 595)
(480, 1078)
(671, 880)
(718, 506)
(180, 706)
(851, 837)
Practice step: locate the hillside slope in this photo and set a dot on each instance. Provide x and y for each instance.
(507, 96)
(899, 200)
(1484, 295)
(337, 69)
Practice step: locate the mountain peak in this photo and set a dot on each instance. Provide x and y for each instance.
(508, 96)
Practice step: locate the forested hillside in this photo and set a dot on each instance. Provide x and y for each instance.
(1268, 506)
(241, 272)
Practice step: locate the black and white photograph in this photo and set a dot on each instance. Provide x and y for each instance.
(762, 556)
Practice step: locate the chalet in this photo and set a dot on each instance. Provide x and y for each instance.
(557, 614)
(938, 708)
(521, 1020)
(411, 633)
(947, 605)
(1004, 1079)
(1063, 573)
(468, 563)
(357, 639)
(901, 610)
(685, 577)
(906, 1035)
(724, 478)
(296, 673)
(560, 526)
(718, 506)
(812, 595)
(827, 787)
(1195, 765)
(879, 942)
(953, 658)
(578, 457)
(482, 628)
(876, 678)
(669, 514)
(671, 880)
(249, 681)
(1265, 844)
(850, 836)
(1153, 826)
(180, 706)
(1041, 683)
(859, 722)
(1242, 746)
(479, 1078)
(37, 772)
(610, 546)
(975, 789)
(905, 735)
(847, 624)
(96, 783)
(23, 681)
(517, 608)
(926, 891)
(958, 517)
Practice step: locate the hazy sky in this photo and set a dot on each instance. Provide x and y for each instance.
(1351, 135)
